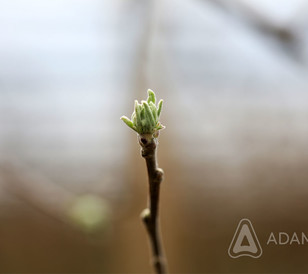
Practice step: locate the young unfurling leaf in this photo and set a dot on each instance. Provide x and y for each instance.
(128, 122)
(145, 118)
(151, 96)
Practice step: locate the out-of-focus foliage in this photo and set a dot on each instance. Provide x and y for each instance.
(89, 213)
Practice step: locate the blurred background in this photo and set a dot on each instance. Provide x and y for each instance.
(233, 75)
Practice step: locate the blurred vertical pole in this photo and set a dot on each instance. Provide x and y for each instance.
(142, 82)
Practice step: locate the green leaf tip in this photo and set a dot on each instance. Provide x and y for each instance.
(128, 122)
(149, 113)
(145, 118)
(151, 96)
(160, 106)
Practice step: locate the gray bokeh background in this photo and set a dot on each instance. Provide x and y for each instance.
(233, 75)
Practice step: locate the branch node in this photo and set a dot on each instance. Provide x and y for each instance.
(146, 216)
(159, 175)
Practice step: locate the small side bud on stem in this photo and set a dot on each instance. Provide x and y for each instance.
(145, 215)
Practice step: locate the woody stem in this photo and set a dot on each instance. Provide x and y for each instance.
(150, 215)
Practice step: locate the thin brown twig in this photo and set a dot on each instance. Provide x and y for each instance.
(150, 215)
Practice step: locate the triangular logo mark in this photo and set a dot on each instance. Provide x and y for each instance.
(245, 241)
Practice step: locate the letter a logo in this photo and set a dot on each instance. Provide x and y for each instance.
(245, 241)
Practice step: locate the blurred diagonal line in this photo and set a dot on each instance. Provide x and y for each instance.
(286, 35)
(87, 212)
(36, 190)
